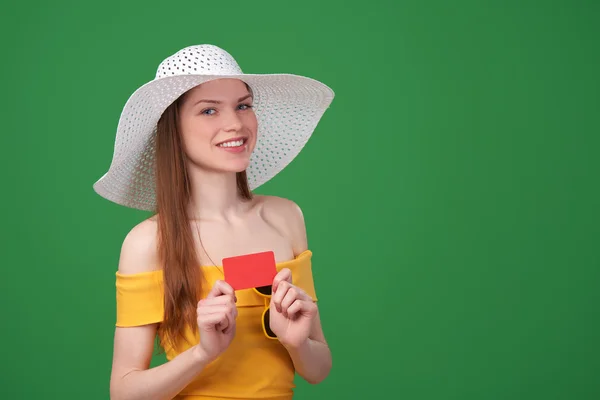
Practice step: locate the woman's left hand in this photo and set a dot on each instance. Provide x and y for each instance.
(292, 311)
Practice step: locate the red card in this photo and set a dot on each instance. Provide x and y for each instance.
(250, 270)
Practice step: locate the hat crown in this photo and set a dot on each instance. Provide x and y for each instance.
(202, 59)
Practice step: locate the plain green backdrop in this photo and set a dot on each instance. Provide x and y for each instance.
(450, 192)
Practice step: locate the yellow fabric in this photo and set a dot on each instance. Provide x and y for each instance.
(253, 366)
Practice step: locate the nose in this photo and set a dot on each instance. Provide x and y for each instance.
(232, 122)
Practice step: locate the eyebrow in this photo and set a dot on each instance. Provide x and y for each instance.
(219, 102)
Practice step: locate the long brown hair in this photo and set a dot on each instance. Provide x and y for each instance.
(183, 280)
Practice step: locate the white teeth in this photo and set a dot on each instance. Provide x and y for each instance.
(232, 144)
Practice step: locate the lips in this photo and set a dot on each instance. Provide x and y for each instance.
(234, 142)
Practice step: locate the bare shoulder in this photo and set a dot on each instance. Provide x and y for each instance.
(287, 217)
(139, 252)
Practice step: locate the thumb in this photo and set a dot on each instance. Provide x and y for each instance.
(219, 288)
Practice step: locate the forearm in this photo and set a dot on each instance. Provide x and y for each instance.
(162, 382)
(312, 360)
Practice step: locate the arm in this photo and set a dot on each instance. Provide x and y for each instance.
(312, 359)
(131, 377)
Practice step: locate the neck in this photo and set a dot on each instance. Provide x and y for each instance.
(214, 195)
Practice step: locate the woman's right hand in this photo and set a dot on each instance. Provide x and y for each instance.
(216, 316)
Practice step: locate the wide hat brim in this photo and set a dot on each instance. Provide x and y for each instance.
(288, 108)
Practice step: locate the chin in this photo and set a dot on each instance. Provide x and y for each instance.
(236, 167)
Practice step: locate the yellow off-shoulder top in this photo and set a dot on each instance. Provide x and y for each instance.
(253, 367)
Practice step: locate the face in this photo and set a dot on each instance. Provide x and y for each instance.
(218, 125)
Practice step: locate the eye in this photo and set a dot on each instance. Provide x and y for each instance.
(208, 111)
(244, 106)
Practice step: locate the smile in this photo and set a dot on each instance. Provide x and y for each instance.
(236, 145)
(233, 143)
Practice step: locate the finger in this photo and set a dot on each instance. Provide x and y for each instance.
(301, 294)
(222, 326)
(234, 312)
(218, 308)
(224, 323)
(232, 316)
(280, 294)
(219, 288)
(208, 315)
(285, 275)
(228, 309)
(294, 309)
(212, 322)
(229, 329)
(290, 297)
(300, 307)
(221, 299)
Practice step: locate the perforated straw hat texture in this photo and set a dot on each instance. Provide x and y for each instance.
(288, 108)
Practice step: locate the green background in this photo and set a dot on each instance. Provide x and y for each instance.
(450, 192)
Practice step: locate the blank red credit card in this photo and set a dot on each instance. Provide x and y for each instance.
(250, 270)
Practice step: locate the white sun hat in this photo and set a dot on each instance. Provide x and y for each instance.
(288, 108)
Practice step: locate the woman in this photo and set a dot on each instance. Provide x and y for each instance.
(191, 145)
